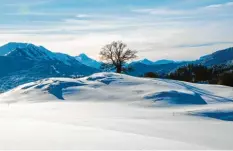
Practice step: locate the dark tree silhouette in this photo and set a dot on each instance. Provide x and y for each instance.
(151, 75)
(117, 54)
(192, 73)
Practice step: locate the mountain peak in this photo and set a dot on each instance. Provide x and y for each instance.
(7, 48)
(83, 56)
(84, 59)
(16, 43)
(146, 61)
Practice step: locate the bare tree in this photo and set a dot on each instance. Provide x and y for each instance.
(117, 54)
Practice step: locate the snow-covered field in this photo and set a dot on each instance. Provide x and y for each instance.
(112, 111)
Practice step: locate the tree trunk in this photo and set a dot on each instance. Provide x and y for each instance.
(118, 69)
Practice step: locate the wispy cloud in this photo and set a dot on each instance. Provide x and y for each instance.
(211, 10)
(204, 44)
(228, 4)
(83, 15)
(160, 11)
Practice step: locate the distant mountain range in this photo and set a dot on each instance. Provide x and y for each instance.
(22, 63)
(224, 56)
(165, 66)
(27, 62)
(149, 62)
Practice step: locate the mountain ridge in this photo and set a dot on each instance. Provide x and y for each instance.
(30, 63)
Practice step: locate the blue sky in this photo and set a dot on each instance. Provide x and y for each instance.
(158, 29)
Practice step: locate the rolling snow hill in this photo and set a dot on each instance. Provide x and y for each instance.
(113, 111)
(111, 86)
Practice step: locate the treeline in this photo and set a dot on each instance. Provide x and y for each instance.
(219, 74)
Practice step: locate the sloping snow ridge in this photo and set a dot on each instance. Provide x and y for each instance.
(114, 111)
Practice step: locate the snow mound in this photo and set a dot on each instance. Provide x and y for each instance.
(106, 78)
(175, 97)
(55, 87)
(117, 87)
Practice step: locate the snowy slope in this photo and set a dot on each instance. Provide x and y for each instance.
(112, 111)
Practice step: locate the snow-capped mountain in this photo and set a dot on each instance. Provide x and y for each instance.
(219, 57)
(33, 52)
(84, 59)
(30, 63)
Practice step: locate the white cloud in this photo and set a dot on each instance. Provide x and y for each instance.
(160, 11)
(83, 16)
(210, 10)
(229, 4)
